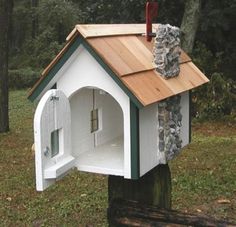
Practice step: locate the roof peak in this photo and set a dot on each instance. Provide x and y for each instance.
(99, 30)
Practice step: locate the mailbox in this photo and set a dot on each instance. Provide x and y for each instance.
(104, 108)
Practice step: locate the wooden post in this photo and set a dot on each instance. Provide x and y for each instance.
(154, 188)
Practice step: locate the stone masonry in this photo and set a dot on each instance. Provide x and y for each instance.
(166, 58)
(167, 50)
(170, 117)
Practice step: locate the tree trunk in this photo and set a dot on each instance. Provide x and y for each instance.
(5, 15)
(190, 23)
(34, 5)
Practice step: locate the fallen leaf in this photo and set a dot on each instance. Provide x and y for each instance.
(199, 211)
(174, 180)
(9, 199)
(223, 201)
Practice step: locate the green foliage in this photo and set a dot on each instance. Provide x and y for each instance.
(170, 12)
(129, 11)
(53, 29)
(216, 31)
(204, 58)
(216, 99)
(103, 11)
(214, 51)
(56, 18)
(22, 78)
(42, 49)
(59, 17)
(20, 27)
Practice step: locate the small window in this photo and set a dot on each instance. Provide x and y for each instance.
(94, 121)
(55, 143)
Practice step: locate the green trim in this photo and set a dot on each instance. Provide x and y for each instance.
(134, 137)
(112, 74)
(55, 69)
(190, 116)
(66, 56)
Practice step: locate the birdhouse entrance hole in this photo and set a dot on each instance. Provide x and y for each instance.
(97, 132)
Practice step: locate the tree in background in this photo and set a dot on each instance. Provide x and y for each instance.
(208, 28)
(6, 7)
(215, 53)
(34, 5)
(189, 24)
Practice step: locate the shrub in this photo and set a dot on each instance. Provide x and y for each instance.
(22, 78)
(216, 99)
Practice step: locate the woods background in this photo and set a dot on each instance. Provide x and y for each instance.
(39, 29)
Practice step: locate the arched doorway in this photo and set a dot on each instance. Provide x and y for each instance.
(97, 131)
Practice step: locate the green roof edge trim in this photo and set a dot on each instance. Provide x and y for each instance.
(53, 71)
(190, 116)
(66, 56)
(134, 137)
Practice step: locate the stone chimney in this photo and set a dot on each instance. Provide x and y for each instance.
(166, 58)
(167, 50)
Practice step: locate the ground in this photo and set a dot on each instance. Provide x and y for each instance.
(204, 174)
(203, 177)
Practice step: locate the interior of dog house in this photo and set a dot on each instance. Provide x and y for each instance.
(108, 104)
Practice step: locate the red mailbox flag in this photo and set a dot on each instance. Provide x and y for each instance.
(151, 12)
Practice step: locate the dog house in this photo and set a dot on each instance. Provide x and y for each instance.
(101, 106)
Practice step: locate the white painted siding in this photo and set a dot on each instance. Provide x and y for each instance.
(150, 156)
(84, 71)
(149, 138)
(184, 132)
(111, 118)
(81, 105)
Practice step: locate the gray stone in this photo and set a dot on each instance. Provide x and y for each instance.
(167, 51)
(161, 146)
(170, 121)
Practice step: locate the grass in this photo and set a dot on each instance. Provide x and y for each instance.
(205, 172)
(203, 177)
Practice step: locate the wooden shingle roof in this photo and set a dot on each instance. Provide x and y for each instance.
(124, 49)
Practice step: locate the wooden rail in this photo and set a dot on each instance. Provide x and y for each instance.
(131, 213)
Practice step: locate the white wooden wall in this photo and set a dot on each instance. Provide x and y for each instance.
(149, 138)
(81, 105)
(149, 135)
(184, 133)
(82, 71)
(110, 119)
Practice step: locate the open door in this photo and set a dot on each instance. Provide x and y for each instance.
(52, 138)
